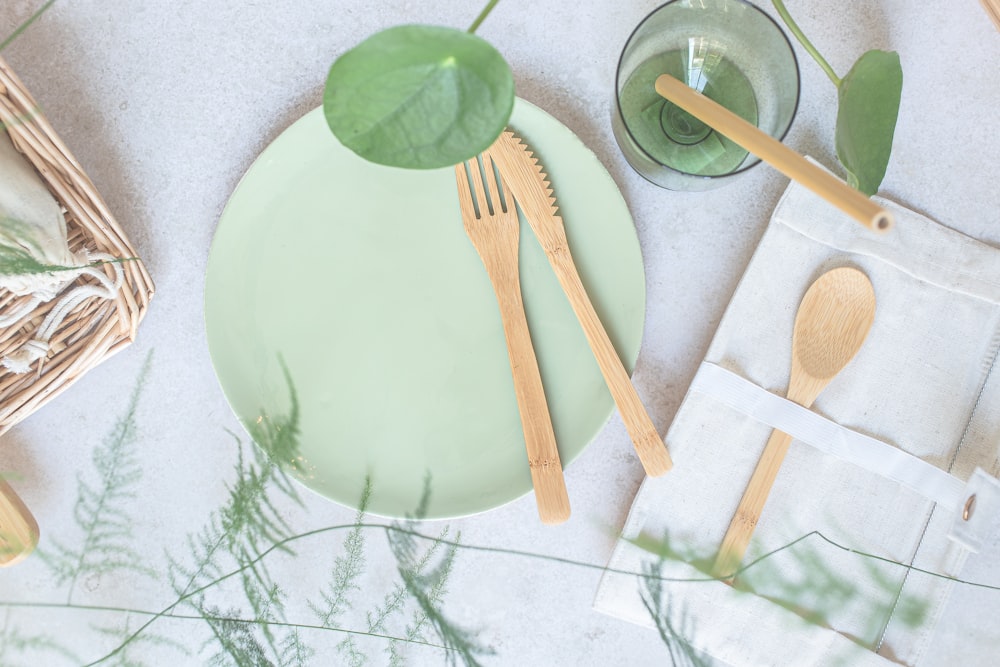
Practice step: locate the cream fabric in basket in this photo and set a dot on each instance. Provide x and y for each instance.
(31, 222)
(922, 383)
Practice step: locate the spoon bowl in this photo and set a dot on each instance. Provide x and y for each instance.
(832, 323)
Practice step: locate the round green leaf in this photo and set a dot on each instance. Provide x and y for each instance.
(866, 117)
(419, 97)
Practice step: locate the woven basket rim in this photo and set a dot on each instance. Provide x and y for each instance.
(97, 328)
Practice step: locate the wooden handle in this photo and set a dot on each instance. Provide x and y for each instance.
(992, 8)
(775, 153)
(543, 454)
(734, 544)
(497, 244)
(646, 439)
(18, 529)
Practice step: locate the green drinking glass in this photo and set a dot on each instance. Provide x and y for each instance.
(728, 50)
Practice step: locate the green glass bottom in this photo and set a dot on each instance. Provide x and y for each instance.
(670, 135)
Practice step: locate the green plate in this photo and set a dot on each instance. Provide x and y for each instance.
(355, 333)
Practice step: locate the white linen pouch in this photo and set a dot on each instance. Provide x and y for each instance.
(922, 382)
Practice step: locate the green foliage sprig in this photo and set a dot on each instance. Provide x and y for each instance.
(420, 97)
(103, 508)
(14, 643)
(252, 627)
(15, 258)
(426, 585)
(347, 569)
(867, 109)
(659, 606)
(237, 534)
(21, 28)
(644, 576)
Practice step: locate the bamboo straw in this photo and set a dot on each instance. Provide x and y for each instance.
(775, 153)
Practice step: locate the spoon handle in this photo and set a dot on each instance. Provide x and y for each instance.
(734, 544)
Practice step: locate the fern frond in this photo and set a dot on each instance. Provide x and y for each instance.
(236, 639)
(250, 516)
(437, 590)
(15, 261)
(235, 534)
(348, 648)
(294, 652)
(395, 657)
(102, 510)
(404, 547)
(347, 568)
(238, 534)
(420, 512)
(267, 605)
(238, 531)
(676, 639)
(414, 631)
(13, 642)
(427, 588)
(461, 643)
(203, 547)
(278, 436)
(122, 632)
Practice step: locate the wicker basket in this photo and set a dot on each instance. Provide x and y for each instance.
(96, 328)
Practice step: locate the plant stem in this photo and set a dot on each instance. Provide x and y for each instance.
(24, 25)
(804, 41)
(279, 546)
(482, 16)
(216, 617)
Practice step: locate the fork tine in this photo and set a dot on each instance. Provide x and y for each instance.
(465, 196)
(494, 183)
(478, 189)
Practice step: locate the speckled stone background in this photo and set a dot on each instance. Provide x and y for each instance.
(166, 104)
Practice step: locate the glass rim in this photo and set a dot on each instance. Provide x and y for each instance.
(706, 177)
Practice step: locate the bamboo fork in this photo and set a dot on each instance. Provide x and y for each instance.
(492, 225)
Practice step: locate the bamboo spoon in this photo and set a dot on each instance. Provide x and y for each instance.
(18, 529)
(775, 153)
(494, 229)
(830, 326)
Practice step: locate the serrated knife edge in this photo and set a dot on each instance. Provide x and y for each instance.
(525, 177)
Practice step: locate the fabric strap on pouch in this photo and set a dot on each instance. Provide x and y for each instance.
(975, 503)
